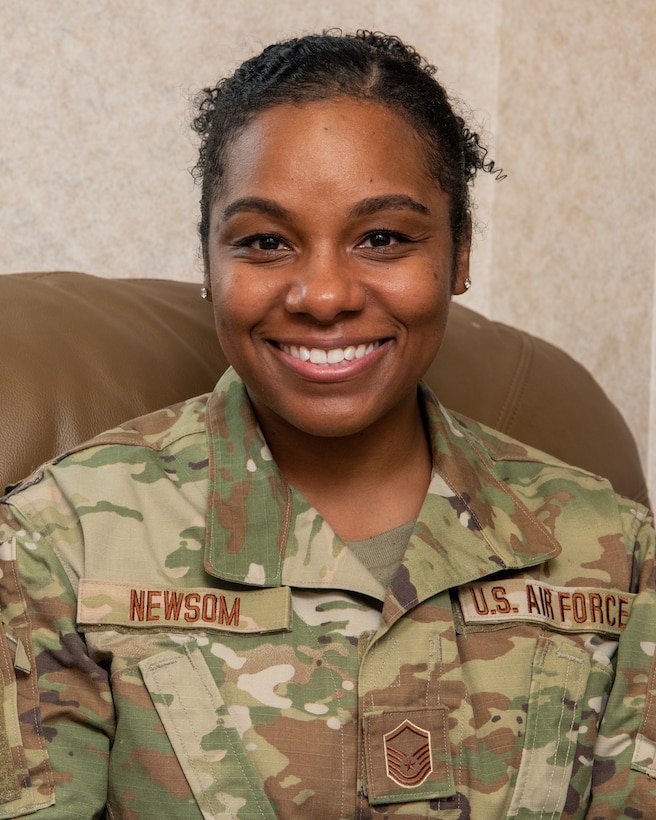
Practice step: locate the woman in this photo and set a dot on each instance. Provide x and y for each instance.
(315, 592)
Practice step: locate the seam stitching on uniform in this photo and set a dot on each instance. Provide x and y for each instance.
(381, 665)
(375, 652)
(537, 714)
(432, 653)
(284, 529)
(371, 787)
(558, 736)
(650, 700)
(445, 737)
(460, 752)
(572, 659)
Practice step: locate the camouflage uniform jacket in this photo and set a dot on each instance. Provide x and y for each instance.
(184, 636)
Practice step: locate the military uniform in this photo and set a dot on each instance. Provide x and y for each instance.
(184, 636)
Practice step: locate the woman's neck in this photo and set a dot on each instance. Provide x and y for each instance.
(363, 484)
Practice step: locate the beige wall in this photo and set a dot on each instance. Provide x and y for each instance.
(95, 150)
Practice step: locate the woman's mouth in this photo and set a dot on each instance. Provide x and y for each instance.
(335, 355)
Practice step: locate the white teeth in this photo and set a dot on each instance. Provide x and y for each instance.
(301, 353)
(318, 356)
(336, 355)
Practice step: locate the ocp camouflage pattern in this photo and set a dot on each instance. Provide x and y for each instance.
(184, 636)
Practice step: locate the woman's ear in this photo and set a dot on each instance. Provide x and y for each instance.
(461, 280)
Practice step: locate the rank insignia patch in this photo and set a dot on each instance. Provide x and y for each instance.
(408, 756)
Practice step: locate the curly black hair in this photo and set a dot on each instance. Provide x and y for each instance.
(365, 65)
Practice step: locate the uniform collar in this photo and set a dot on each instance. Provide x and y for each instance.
(472, 523)
(262, 532)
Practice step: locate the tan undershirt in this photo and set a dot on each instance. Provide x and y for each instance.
(382, 553)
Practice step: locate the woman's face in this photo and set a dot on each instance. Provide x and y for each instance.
(330, 262)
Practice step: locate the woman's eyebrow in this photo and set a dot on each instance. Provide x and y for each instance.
(389, 202)
(257, 205)
(365, 207)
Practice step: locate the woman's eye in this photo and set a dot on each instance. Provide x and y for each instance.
(263, 242)
(267, 242)
(381, 239)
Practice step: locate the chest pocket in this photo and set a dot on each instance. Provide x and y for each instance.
(203, 736)
(566, 693)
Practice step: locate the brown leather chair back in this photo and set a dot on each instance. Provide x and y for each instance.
(81, 354)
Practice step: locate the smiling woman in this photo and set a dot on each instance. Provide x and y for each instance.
(316, 591)
(328, 234)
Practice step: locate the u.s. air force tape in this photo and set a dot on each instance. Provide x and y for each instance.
(570, 609)
(112, 603)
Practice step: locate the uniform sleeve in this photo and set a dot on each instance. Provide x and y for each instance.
(57, 715)
(624, 769)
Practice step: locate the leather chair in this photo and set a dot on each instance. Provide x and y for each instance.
(81, 354)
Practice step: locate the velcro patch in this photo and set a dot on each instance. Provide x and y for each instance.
(569, 609)
(118, 604)
(407, 755)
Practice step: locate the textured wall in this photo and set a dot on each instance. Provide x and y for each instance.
(95, 150)
(573, 236)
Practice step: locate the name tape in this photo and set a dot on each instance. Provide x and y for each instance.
(114, 603)
(572, 609)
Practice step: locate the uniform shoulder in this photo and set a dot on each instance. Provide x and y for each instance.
(512, 459)
(157, 430)
(535, 475)
(502, 447)
(162, 430)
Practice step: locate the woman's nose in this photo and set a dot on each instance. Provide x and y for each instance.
(325, 287)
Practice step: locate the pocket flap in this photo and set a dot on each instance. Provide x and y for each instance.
(203, 735)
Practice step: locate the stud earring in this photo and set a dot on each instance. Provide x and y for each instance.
(204, 293)
(467, 283)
